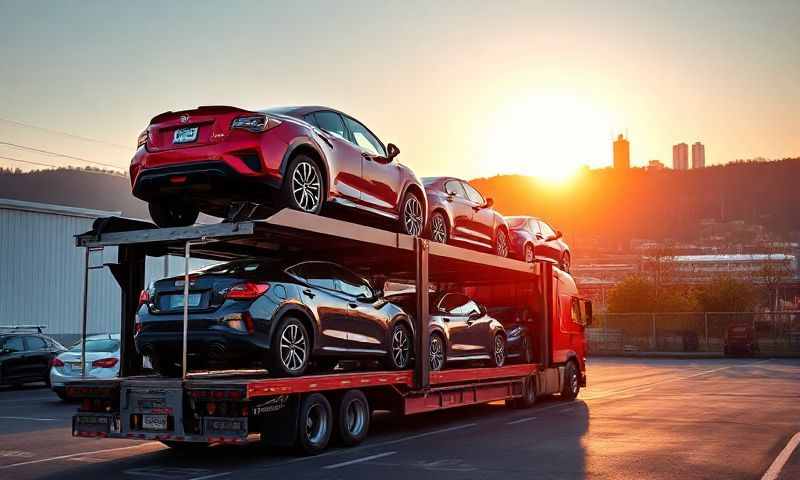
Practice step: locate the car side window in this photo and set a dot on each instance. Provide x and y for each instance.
(533, 225)
(454, 186)
(35, 343)
(546, 230)
(364, 138)
(311, 119)
(473, 194)
(14, 344)
(332, 123)
(317, 274)
(457, 304)
(351, 284)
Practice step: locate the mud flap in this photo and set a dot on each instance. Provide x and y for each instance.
(279, 429)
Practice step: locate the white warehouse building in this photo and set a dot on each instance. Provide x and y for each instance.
(41, 271)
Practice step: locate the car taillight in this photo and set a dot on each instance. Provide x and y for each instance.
(144, 297)
(143, 137)
(255, 123)
(56, 362)
(246, 291)
(105, 363)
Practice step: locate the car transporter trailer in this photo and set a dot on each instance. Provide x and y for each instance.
(230, 406)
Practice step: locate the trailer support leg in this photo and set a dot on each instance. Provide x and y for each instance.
(422, 365)
(184, 354)
(85, 312)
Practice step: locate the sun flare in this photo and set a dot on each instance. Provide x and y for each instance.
(548, 137)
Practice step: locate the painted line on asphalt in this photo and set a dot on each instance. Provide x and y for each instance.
(72, 455)
(358, 460)
(213, 475)
(609, 393)
(32, 419)
(521, 420)
(777, 465)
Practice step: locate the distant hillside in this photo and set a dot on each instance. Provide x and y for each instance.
(86, 188)
(614, 207)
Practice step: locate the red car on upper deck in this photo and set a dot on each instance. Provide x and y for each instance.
(299, 157)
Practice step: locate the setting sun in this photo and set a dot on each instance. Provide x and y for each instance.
(548, 136)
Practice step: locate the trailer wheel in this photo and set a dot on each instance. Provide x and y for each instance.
(528, 398)
(352, 418)
(314, 425)
(572, 383)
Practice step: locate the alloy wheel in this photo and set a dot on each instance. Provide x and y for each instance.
(501, 247)
(499, 351)
(438, 229)
(293, 348)
(412, 216)
(306, 187)
(436, 353)
(401, 347)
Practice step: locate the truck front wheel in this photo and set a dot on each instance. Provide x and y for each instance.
(572, 382)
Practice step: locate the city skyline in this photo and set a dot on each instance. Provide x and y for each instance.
(562, 78)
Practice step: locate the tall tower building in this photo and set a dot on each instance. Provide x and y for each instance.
(698, 155)
(622, 153)
(680, 156)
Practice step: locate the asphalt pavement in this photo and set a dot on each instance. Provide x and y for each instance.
(639, 418)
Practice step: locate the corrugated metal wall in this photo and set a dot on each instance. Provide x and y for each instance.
(41, 274)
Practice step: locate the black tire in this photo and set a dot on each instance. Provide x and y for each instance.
(528, 398)
(501, 243)
(565, 262)
(437, 352)
(528, 255)
(352, 418)
(439, 229)
(315, 422)
(184, 446)
(291, 349)
(62, 394)
(412, 215)
(401, 347)
(572, 383)
(498, 350)
(304, 185)
(168, 213)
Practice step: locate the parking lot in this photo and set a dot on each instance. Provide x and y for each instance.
(639, 418)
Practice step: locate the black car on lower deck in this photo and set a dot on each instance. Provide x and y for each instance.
(281, 315)
(460, 329)
(26, 357)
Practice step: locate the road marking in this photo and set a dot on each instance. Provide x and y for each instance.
(777, 465)
(358, 460)
(32, 419)
(80, 454)
(521, 420)
(213, 475)
(608, 393)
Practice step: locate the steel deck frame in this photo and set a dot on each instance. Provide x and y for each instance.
(289, 233)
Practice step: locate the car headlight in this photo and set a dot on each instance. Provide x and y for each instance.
(255, 123)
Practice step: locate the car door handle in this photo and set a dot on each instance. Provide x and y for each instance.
(366, 156)
(309, 293)
(445, 319)
(352, 305)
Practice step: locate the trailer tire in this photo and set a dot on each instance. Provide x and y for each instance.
(528, 398)
(572, 382)
(352, 418)
(314, 424)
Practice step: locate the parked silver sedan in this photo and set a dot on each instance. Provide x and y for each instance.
(102, 361)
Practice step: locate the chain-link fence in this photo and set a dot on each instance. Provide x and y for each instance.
(711, 332)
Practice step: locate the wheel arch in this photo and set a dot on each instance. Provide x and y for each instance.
(420, 193)
(303, 314)
(306, 146)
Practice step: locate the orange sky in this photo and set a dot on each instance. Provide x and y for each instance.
(464, 88)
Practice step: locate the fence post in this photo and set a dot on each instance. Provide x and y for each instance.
(653, 332)
(705, 321)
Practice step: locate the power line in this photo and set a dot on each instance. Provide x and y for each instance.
(56, 154)
(29, 162)
(72, 135)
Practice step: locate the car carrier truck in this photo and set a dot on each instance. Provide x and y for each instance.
(209, 407)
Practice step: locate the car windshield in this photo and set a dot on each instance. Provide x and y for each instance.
(98, 345)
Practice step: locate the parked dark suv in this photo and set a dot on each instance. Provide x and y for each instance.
(297, 157)
(282, 315)
(459, 214)
(25, 357)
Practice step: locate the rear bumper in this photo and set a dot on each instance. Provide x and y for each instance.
(203, 347)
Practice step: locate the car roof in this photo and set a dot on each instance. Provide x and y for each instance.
(515, 217)
(300, 110)
(429, 180)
